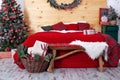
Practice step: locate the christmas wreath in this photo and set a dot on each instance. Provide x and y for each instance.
(54, 4)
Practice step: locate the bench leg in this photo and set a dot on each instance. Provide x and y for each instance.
(101, 63)
(51, 65)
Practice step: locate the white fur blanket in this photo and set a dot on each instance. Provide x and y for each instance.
(93, 49)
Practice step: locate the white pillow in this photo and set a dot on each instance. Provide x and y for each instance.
(89, 31)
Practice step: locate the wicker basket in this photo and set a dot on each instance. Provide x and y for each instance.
(35, 66)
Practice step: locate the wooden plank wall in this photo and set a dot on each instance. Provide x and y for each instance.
(39, 13)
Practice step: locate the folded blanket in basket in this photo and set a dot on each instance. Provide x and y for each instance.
(39, 48)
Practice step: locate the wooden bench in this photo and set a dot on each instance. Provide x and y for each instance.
(73, 50)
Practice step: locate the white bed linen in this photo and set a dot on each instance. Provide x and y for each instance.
(66, 31)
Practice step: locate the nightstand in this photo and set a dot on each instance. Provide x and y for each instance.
(112, 30)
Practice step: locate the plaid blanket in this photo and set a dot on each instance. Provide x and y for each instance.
(66, 46)
(113, 50)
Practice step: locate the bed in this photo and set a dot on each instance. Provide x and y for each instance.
(80, 59)
(66, 33)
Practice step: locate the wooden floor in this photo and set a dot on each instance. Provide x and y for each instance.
(9, 71)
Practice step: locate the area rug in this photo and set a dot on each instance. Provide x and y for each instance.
(10, 71)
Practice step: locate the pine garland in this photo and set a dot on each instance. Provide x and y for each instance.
(54, 4)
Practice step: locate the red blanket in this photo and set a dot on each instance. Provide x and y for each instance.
(113, 50)
(57, 37)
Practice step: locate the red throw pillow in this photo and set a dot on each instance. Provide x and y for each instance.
(83, 26)
(59, 26)
(71, 26)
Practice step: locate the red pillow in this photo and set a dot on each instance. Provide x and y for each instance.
(72, 26)
(59, 26)
(83, 26)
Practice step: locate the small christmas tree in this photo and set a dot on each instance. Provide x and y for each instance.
(112, 15)
(13, 30)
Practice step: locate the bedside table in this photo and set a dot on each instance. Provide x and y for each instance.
(112, 30)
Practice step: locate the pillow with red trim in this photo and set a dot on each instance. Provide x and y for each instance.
(72, 26)
(18, 61)
(59, 26)
(89, 31)
(83, 26)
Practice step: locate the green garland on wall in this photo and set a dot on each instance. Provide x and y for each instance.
(54, 4)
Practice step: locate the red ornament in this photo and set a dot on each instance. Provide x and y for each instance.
(20, 11)
(3, 1)
(10, 5)
(11, 41)
(24, 28)
(7, 49)
(14, 37)
(19, 38)
(14, 16)
(19, 30)
(11, 31)
(13, 0)
(10, 35)
(5, 8)
(6, 34)
(14, 26)
(10, 24)
(16, 31)
(18, 21)
(7, 19)
(0, 34)
(10, 16)
(4, 18)
(14, 8)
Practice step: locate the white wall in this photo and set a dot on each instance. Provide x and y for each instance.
(21, 2)
(115, 4)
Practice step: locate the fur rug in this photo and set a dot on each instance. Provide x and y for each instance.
(93, 49)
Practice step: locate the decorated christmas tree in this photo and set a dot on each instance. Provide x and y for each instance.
(13, 30)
